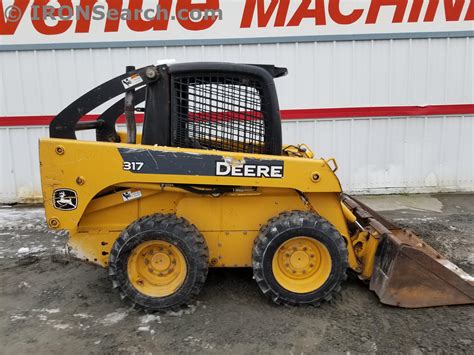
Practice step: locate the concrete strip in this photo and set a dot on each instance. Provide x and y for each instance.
(403, 202)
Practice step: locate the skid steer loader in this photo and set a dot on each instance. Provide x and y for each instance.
(208, 183)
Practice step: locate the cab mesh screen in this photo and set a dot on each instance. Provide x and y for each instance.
(218, 112)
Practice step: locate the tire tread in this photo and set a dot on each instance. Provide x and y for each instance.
(285, 221)
(175, 226)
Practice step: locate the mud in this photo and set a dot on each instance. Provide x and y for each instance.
(52, 304)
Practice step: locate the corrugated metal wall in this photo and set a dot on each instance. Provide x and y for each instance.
(374, 154)
(321, 74)
(402, 154)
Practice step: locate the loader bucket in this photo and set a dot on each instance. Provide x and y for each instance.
(408, 272)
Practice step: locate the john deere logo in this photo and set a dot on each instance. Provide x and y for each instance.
(65, 199)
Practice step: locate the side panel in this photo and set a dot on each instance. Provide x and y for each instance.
(88, 168)
(229, 223)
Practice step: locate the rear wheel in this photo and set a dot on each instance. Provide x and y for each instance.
(299, 258)
(159, 262)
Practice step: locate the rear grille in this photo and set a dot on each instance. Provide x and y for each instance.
(218, 112)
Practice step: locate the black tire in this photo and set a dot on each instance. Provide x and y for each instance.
(173, 230)
(284, 227)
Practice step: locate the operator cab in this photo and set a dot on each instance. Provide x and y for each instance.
(204, 105)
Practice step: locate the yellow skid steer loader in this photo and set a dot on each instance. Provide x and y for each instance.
(208, 183)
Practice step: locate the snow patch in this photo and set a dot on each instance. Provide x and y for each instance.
(194, 341)
(424, 219)
(16, 317)
(150, 318)
(24, 284)
(15, 218)
(82, 315)
(113, 318)
(47, 310)
(23, 251)
(190, 310)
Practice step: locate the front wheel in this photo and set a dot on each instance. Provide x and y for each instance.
(299, 258)
(159, 262)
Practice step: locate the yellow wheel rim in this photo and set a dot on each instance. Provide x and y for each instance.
(157, 268)
(301, 265)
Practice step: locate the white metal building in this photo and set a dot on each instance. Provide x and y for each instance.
(395, 109)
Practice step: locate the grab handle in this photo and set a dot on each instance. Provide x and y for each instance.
(334, 169)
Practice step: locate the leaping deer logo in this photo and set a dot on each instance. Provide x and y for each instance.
(65, 199)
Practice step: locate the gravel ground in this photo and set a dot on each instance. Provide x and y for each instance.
(50, 303)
